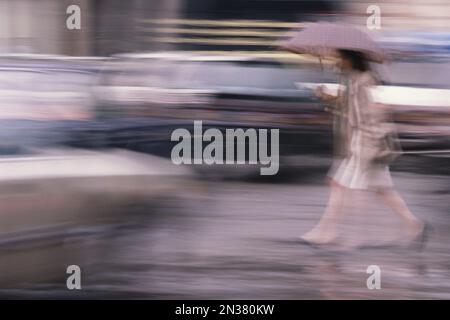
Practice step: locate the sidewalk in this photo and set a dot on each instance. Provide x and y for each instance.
(239, 241)
(241, 244)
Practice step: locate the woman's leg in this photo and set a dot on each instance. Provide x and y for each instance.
(394, 201)
(325, 230)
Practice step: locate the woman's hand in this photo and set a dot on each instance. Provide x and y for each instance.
(320, 93)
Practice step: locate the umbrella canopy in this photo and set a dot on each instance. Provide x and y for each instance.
(323, 39)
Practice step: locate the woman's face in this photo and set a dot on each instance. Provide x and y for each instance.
(345, 64)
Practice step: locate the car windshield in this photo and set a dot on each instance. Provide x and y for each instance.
(219, 75)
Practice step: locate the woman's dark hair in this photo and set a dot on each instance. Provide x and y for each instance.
(359, 62)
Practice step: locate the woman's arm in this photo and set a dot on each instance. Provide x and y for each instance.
(372, 117)
(320, 93)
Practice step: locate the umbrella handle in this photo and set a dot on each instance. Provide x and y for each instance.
(321, 65)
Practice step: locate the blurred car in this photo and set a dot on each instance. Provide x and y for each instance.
(57, 203)
(417, 46)
(41, 87)
(146, 96)
(42, 96)
(165, 91)
(135, 101)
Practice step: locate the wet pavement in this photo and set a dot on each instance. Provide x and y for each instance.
(237, 240)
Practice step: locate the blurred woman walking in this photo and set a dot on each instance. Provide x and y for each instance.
(365, 142)
(364, 145)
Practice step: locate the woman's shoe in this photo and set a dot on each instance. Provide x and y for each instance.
(316, 244)
(308, 243)
(419, 242)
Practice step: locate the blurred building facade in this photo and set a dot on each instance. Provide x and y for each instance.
(39, 26)
(112, 26)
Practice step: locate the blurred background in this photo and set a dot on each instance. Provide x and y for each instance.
(85, 172)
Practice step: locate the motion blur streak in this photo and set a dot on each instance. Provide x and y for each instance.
(85, 171)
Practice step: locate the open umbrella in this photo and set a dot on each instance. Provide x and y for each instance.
(323, 39)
